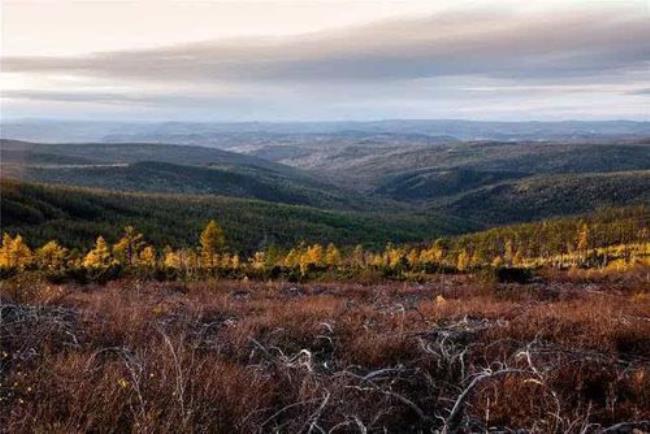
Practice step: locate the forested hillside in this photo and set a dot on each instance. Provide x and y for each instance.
(432, 179)
(233, 181)
(539, 197)
(14, 151)
(173, 169)
(77, 216)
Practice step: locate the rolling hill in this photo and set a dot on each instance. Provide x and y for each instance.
(539, 197)
(15, 151)
(77, 216)
(486, 182)
(159, 177)
(172, 169)
(375, 167)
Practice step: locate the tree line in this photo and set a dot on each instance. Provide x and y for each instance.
(593, 241)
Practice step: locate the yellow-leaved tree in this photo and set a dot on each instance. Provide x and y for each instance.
(258, 260)
(212, 242)
(127, 249)
(235, 262)
(394, 255)
(413, 258)
(15, 253)
(509, 252)
(332, 256)
(4, 251)
(497, 262)
(99, 256)
(171, 258)
(147, 257)
(312, 256)
(583, 239)
(463, 261)
(292, 259)
(359, 256)
(52, 256)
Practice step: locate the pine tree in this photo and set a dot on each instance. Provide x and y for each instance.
(212, 242)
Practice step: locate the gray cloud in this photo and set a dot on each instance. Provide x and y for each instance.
(72, 96)
(640, 92)
(492, 44)
(129, 99)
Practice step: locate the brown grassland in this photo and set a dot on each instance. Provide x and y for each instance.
(569, 352)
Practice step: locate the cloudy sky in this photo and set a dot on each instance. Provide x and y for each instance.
(325, 60)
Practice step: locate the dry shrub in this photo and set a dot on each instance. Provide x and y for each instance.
(231, 356)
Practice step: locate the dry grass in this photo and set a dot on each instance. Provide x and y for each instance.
(565, 356)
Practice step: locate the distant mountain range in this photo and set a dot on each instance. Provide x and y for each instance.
(224, 135)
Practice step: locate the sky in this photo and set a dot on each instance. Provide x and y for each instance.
(271, 60)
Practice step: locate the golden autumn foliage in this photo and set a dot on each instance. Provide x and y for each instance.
(99, 256)
(583, 238)
(171, 258)
(258, 261)
(15, 253)
(127, 250)
(292, 259)
(358, 259)
(463, 261)
(212, 242)
(332, 256)
(52, 256)
(577, 250)
(147, 257)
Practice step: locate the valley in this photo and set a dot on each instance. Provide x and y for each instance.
(424, 178)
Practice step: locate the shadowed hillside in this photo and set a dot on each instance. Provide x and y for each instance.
(545, 196)
(46, 212)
